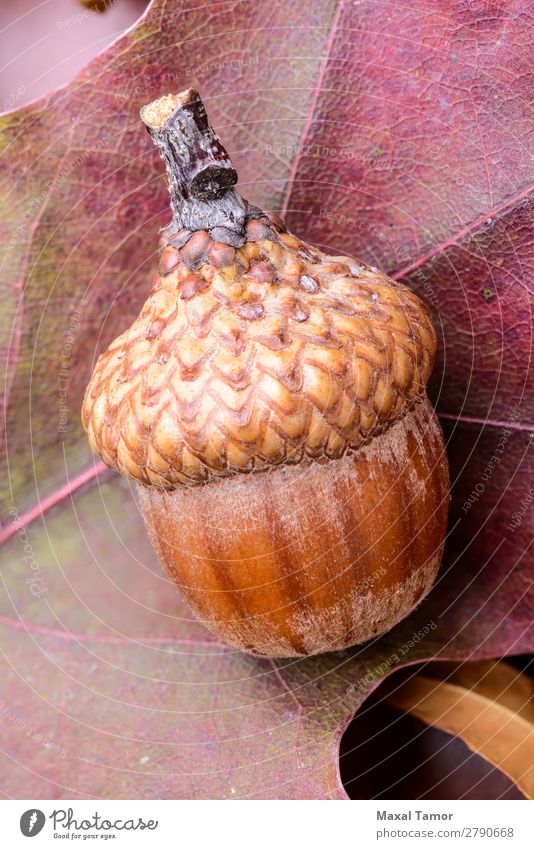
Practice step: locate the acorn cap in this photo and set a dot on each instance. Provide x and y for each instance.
(248, 357)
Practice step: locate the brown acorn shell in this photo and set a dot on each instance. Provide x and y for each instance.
(299, 561)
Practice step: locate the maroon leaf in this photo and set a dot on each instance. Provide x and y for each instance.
(400, 135)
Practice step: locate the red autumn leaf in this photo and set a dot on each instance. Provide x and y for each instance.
(401, 135)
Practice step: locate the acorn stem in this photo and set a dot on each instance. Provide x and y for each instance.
(200, 173)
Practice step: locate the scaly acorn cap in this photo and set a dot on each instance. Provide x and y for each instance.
(253, 349)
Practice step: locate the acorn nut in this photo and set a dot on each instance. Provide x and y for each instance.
(271, 406)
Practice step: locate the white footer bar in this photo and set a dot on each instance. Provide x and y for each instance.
(268, 825)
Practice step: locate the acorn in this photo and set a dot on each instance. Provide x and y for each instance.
(270, 403)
